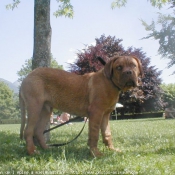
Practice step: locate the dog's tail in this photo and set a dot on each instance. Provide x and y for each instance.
(23, 115)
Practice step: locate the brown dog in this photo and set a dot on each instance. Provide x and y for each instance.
(93, 95)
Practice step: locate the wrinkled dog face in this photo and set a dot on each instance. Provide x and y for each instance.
(124, 71)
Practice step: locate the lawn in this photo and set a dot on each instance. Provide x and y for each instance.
(148, 147)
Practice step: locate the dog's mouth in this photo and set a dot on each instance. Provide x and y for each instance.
(130, 84)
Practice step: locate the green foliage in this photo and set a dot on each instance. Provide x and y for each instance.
(147, 149)
(10, 121)
(27, 68)
(165, 35)
(54, 63)
(169, 93)
(13, 5)
(154, 3)
(8, 104)
(159, 3)
(118, 3)
(64, 9)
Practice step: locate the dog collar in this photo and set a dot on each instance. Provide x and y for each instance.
(113, 81)
(115, 84)
(110, 78)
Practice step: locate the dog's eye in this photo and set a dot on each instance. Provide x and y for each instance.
(119, 67)
(133, 66)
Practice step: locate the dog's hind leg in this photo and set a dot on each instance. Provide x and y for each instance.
(23, 116)
(33, 111)
(41, 125)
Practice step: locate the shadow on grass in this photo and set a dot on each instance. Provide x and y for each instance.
(74, 151)
(12, 148)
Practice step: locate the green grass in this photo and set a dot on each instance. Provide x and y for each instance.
(148, 147)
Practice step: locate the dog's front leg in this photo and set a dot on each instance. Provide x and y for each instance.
(95, 118)
(106, 133)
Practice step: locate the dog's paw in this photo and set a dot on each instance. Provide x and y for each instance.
(36, 152)
(95, 152)
(33, 151)
(118, 150)
(115, 149)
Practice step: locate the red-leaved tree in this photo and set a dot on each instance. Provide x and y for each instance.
(146, 97)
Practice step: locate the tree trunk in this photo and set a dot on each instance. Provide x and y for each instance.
(42, 39)
(42, 34)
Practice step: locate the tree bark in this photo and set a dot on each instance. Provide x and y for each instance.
(42, 39)
(42, 34)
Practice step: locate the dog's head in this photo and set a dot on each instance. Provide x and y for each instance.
(124, 71)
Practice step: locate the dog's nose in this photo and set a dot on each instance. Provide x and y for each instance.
(128, 72)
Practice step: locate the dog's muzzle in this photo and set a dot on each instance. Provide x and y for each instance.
(131, 83)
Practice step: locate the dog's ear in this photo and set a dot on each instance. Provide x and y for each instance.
(102, 61)
(108, 68)
(140, 66)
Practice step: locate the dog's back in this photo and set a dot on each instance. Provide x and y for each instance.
(58, 88)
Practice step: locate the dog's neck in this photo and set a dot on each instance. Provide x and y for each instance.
(113, 83)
